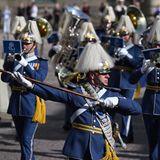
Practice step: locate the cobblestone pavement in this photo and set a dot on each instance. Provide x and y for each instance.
(50, 137)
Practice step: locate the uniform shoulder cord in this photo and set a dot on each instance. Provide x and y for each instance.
(110, 153)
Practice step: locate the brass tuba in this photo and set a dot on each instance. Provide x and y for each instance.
(69, 26)
(137, 18)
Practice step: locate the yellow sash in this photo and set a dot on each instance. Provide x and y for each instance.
(40, 112)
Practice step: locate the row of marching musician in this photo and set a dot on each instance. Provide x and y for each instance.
(135, 51)
(137, 62)
(84, 68)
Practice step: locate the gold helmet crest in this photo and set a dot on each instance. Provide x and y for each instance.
(27, 37)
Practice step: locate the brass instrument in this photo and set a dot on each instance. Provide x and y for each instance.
(18, 57)
(44, 26)
(66, 59)
(45, 29)
(137, 18)
(153, 55)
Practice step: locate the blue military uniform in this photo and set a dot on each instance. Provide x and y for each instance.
(22, 102)
(100, 32)
(119, 78)
(86, 137)
(151, 108)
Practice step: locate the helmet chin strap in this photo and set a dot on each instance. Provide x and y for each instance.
(94, 80)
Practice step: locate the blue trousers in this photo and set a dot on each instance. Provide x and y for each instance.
(152, 125)
(127, 127)
(26, 130)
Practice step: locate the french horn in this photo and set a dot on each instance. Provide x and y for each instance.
(138, 19)
(44, 27)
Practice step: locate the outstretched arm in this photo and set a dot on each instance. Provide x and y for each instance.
(43, 91)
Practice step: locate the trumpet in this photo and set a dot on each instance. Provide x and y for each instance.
(16, 56)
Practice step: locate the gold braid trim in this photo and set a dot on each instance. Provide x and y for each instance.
(110, 153)
(90, 90)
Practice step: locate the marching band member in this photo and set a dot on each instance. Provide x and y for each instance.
(17, 26)
(106, 27)
(91, 134)
(107, 22)
(22, 103)
(127, 59)
(150, 101)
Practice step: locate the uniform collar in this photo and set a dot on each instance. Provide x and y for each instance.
(29, 55)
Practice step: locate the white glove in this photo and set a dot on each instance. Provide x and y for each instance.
(146, 65)
(22, 61)
(57, 48)
(110, 102)
(20, 79)
(122, 52)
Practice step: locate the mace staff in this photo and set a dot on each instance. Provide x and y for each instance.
(55, 87)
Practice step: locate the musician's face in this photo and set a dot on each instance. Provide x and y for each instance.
(99, 79)
(104, 78)
(126, 38)
(28, 47)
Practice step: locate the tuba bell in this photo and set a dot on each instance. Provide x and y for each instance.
(137, 18)
(44, 26)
